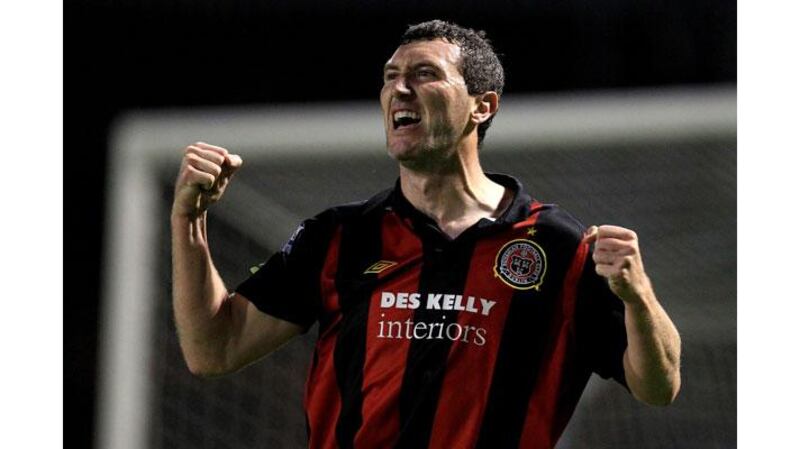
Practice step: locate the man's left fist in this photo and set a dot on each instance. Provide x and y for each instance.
(617, 258)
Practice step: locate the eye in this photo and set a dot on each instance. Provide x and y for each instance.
(389, 76)
(426, 74)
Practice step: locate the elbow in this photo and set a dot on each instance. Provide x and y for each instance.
(203, 359)
(203, 371)
(665, 400)
(657, 384)
(207, 368)
(675, 389)
(660, 397)
(661, 400)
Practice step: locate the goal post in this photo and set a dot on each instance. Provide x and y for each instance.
(299, 158)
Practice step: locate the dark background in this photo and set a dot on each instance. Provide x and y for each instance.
(128, 55)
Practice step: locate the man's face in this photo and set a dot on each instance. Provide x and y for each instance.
(426, 106)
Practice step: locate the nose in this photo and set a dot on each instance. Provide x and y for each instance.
(401, 88)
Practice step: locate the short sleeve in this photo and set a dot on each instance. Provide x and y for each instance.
(600, 325)
(287, 285)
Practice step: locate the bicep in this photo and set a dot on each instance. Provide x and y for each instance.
(255, 334)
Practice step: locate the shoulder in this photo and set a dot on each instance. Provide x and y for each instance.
(355, 211)
(314, 234)
(326, 222)
(558, 221)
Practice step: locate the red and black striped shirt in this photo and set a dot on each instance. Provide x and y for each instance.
(482, 341)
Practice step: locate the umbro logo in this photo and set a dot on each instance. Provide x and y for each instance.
(379, 266)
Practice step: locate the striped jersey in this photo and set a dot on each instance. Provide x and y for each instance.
(483, 341)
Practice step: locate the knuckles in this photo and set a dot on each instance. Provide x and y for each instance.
(218, 156)
(192, 175)
(197, 161)
(611, 231)
(200, 143)
(208, 147)
(202, 167)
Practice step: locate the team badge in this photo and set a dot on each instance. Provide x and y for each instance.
(521, 264)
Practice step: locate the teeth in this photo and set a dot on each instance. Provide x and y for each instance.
(406, 114)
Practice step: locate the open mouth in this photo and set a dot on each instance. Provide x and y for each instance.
(405, 119)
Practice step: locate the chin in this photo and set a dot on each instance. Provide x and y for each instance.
(401, 149)
(401, 154)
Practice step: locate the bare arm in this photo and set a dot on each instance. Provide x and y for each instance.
(218, 332)
(652, 359)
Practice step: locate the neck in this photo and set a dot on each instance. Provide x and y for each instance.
(456, 195)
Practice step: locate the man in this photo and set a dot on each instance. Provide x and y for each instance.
(454, 310)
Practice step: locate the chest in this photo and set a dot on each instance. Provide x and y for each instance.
(410, 285)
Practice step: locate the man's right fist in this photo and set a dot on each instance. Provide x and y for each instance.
(204, 175)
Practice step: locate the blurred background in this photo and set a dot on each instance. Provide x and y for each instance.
(620, 111)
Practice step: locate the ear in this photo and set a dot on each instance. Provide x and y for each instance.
(486, 105)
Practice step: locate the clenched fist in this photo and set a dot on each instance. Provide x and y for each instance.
(617, 258)
(205, 172)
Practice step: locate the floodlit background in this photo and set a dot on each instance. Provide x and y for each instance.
(620, 112)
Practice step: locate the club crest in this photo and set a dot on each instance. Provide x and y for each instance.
(521, 264)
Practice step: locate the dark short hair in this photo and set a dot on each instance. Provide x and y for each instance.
(479, 65)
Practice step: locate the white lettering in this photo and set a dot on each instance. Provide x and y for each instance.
(457, 327)
(380, 325)
(436, 301)
(387, 299)
(433, 301)
(431, 331)
(447, 302)
(421, 326)
(480, 334)
(458, 305)
(402, 300)
(471, 304)
(413, 301)
(408, 328)
(487, 305)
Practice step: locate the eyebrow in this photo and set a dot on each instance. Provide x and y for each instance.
(390, 66)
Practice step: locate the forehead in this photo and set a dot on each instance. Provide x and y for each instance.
(437, 51)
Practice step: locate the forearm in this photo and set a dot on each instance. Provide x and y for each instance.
(652, 360)
(202, 312)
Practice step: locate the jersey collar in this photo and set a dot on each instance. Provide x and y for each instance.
(518, 210)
